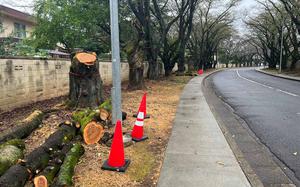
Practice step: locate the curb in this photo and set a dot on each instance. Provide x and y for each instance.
(280, 76)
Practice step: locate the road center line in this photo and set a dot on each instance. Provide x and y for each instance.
(266, 86)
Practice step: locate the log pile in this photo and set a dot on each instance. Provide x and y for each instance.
(38, 159)
(52, 164)
(58, 163)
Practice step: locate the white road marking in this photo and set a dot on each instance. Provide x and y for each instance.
(287, 93)
(266, 86)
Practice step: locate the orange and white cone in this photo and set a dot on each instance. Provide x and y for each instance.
(144, 102)
(137, 133)
(116, 160)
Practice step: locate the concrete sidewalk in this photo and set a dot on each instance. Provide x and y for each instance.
(198, 153)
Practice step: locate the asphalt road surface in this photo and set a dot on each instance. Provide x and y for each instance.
(271, 108)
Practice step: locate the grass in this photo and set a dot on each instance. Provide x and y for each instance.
(142, 163)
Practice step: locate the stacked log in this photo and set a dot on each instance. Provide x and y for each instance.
(38, 159)
(46, 177)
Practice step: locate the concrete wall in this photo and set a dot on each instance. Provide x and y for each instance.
(23, 81)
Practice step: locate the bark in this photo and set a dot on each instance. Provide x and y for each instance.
(67, 169)
(9, 155)
(25, 127)
(85, 84)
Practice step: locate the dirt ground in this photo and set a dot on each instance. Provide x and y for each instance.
(146, 157)
(293, 73)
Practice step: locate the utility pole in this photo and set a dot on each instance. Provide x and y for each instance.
(116, 66)
(281, 46)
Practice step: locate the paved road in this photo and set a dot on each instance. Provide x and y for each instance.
(270, 106)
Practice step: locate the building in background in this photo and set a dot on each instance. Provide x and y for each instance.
(14, 23)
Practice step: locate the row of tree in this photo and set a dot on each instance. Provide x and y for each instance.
(273, 36)
(157, 31)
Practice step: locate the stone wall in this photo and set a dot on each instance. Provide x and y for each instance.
(23, 81)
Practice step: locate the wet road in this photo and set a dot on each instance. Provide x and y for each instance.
(271, 108)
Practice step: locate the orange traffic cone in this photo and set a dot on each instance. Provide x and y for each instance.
(144, 102)
(116, 160)
(200, 72)
(138, 129)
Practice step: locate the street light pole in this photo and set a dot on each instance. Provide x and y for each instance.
(116, 66)
(281, 46)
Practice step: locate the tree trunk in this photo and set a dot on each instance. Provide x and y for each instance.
(153, 71)
(181, 60)
(25, 128)
(135, 58)
(85, 82)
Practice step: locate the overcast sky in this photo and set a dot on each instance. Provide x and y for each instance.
(243, 11)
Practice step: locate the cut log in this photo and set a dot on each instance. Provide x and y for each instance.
(16, 176)
(61, 137)
(9, 155)
(23, 129)
(104, 114)
(66, 171)
(15, 142)
(38, 159)
(46, 177)
(40, 181)
(92, 132)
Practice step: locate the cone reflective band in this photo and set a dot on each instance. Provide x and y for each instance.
(116, 160)
(138, 129)
(140, 119)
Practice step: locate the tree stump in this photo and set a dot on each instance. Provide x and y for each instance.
(85, 81)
